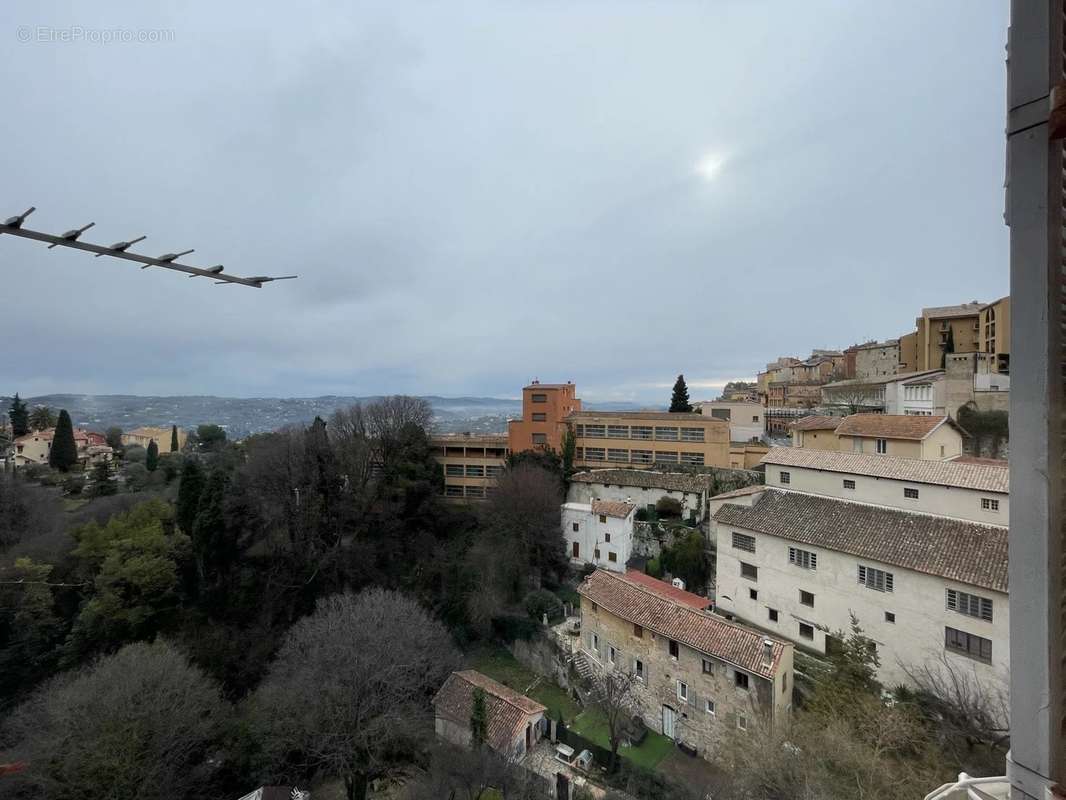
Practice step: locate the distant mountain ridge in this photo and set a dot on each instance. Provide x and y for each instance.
(242, 416)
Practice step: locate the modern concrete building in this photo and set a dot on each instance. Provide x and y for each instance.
(599, 532)
(471, 463)
(941, 329)
(995, 333)
(702, 678)
(646, 439)
(545, 407)
(747, 422)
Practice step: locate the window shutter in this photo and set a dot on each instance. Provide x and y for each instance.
(862, 574)
(888, 581)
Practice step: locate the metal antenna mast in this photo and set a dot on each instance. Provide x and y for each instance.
(13, 226)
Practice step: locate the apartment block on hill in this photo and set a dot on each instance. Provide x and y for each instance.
(702, 678)
(966, 328)
(471, 463)
(929, 588)
(545, 407)
(645, 439)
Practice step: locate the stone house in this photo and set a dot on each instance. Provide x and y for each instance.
(514, 723)
(643, 488)
(702, 678)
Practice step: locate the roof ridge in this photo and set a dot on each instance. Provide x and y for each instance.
(460, 674)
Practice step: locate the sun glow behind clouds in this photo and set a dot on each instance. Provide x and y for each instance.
(709, 165)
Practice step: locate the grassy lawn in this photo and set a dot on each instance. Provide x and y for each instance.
(655, 747)
(499, 664)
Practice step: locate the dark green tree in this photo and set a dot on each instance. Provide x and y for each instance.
(688, 559)
(214, 548)
(569, 452)
(102, 485)
(64, 452)
(151, 461)
(211, 437)
(174, 439)
(42, 418)
(114, 438)
(189, 491)
(949, 347)
(479, 718)
(19, 416)
(679, 401)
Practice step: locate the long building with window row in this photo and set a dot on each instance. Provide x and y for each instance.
(647, 439)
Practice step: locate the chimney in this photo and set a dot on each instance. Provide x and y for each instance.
(768, 651)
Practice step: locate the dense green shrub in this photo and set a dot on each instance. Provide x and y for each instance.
(509, 627)
(540, 602)
(654, 568)
(668, 507)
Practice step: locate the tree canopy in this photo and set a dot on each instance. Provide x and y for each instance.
(64, 452)
(42, 418)
(19, 416)
(679, 401)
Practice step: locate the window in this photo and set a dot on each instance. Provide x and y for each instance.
(968, 644)
(742, 541)
(616, 455)
(970, 604)
(786, 477)
(596, 552)
(611, 653)
(742, 721)
(772, 614)
(640, 432)
(806, 598)
(806, 631)
(882, 446)
(617, 431)
(663, 434)
(666, 456)
(673, 649)
(594, 454)
(708, 667)
(475, 471)
(453, 469)
(596, 642)
(603, 518)
(682, 691)
(909, 493)
(539, 398)
(575, 527)
(802, 558)
(753, 594)
(875, 579)
(453, 491)
(640, 456)
(493, 472)
(740, 679)
(638, 669)
(755, 418)
(749, 571)
(638, 631)
(540, 416)
(475, 491)
(849, 484)
(708, 706)
(613, 557)
(692, 434)
(540, 438)
(595, 431)
(989, 504)
(890, 617)
(607, 537)
(576, 551)
(693, 459)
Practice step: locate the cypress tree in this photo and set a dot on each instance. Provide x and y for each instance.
(64, 452)
(20, 417)
(679, 401)
(151, 459)
(949, 347)
(189, 491)
(174, 439)
(102, 484)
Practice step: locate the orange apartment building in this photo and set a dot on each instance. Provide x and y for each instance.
(545, 406)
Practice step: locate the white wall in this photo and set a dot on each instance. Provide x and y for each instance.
(639, 496)
(918, 602)
(592, 534)
(944, 501)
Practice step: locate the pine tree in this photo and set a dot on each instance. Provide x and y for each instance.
(174, 439)
(64, 452)
(102, 484)
(20, 417)
(189, 491)
(679, 402)
(479, 718)
(151, 459)
(214, 548)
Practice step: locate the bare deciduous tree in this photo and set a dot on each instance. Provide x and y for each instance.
(614, 693)
(349, 693)
(456, 773)
(140, 723)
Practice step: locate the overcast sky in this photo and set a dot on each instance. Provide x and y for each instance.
(477, 194)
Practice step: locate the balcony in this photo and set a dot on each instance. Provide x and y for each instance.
(967, 788)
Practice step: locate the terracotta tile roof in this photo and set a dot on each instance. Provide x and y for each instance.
(506, 709)
(613, 508)
(701, 630)
(893, 426)
(986, 462)
(659, 416)
(667, 590)
(979, 477)
(473, 439)
(962, 551)
(644, 479)
(739, 492)
(816, 423)
(903, 377)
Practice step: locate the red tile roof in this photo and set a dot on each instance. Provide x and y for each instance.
(816, 423)
(612, 508)
(700, 630)
(506, 710)
(667, 590)
(892, 426)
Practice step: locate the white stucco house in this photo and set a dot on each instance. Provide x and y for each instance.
(913, 549)
(599, 532)
(643, 488)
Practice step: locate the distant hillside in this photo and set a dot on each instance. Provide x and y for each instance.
(241, 416)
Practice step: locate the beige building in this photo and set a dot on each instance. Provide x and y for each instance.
(995, 333)
(746, 420)
(142, 437)
(746, 455)
(471, 463)
(645, 439)
(514, 723)
(702, 678)
(907, 436)
(816, 432)
(35, 447)
(925, 348)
